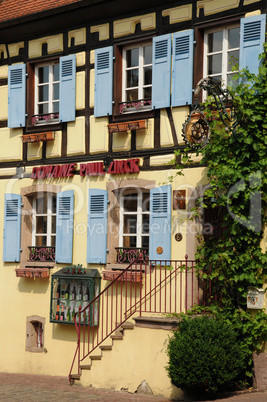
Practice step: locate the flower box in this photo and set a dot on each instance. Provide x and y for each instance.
(37, 137)
(32, 273)
(127, 126)
(128, 276)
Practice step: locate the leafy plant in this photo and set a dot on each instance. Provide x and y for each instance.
(205, 355)
(236, 167)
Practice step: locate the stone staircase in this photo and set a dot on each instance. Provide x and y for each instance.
(117, 335)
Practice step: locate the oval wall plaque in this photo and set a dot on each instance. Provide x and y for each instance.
(159, 250)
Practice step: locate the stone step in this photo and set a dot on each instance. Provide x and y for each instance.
(127, 325)
(86, 366)
(116, 336)
(96, 357)
(75, 376)
(105, 347)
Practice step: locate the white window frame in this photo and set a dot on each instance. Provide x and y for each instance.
(139, 214)
(50, 101)
(141, 86)
(224, 53)
(49, 214)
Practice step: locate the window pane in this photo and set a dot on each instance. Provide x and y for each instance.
(41, 224)
(147, 93)
(129, 241)
(55, 107)
(132, 77)
(43, 73)
(41, 205)
(53, 241)
(43, 109)
(145, 241)
(53, 229)
(43, 93)
(132, 57)
(233, 38)
(40, 241)
(147, 75)
(215, 41)
(147, 54)
(231, 82)
(54, 204)
(215, 64)
(145, 203)
(145, 225)
(130, 202)
(56, 72)
(132, 95)
(233, 58)
(129, 224)
(55, 91)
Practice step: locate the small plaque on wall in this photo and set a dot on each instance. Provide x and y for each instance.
(179, 199)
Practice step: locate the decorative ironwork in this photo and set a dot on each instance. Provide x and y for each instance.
(223, 102)
(196, 130)
(129, 254)
(138, 105)
(44, 118)
(42, 253)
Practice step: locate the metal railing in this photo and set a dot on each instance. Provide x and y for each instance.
(40, 253)
(159, 287)
(131, 254)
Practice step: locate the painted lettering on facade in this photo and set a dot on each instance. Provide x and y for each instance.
(86, 169)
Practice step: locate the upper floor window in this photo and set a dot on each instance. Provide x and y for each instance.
(46, 108)
(44, 220)
(137, 77)
(221, 53)
(48, 97)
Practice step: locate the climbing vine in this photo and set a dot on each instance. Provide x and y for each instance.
(236, 166)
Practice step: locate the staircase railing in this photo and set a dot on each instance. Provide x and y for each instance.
(143, 287)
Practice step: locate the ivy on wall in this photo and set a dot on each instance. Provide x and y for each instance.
(237, 174)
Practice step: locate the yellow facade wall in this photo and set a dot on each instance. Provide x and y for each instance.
(3, 72)
(80, 90)
(216, 6)
(54, 45)
(98, 134)
(76, 137)
(127, 26)
(53, 148)
(178, 14)
(4, 102)
(14, 48)
(79, 36)
(11, 144)
(103, 31)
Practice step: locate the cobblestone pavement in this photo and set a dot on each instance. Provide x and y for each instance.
(24, 387)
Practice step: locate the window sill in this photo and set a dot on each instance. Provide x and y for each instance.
(138, 115)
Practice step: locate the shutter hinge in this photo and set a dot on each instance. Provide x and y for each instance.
(26, 114)
(194, 42)
(22, 205)
(114, 58)
(27, 75)
(113, 102)
(20, 250)
(107, 250)
(108, 201)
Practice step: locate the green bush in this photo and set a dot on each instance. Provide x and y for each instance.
(205, 355)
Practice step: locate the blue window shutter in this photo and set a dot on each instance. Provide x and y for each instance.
(103, 81)
(160, 223)
(64, 226)
(97, 226)
(252, 37)
(17, 95)
(12, 225)
(182, 68)
(67, 96)
(161, 71)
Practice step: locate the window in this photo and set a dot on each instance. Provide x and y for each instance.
(221, 53)
(134, 220)
(35, 334)
(46, 108)
(44, 220)
(50, 90)
(137, 77)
